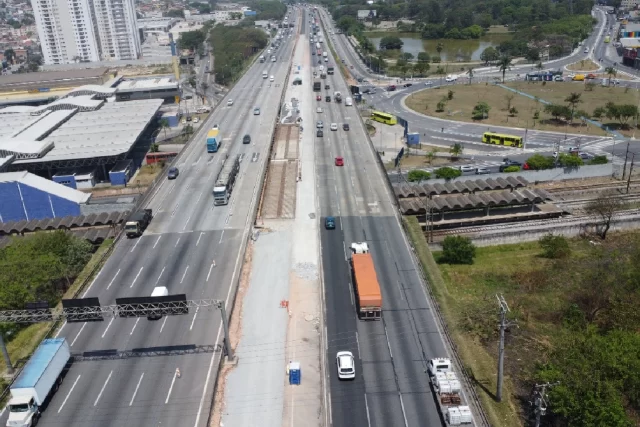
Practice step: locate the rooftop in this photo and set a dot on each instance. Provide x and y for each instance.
(47, 79)
(144, 84)
(44, 184)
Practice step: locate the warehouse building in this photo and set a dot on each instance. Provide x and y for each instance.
(45, 81)
(26, 196)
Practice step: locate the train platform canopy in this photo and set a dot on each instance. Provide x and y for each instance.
(74, 128)
(416, 206)
(403, 191)
(141, 85)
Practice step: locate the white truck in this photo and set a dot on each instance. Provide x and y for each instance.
(40, 378)
(447, 392)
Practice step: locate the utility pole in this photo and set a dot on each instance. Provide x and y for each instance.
(539, 400)
(633, 155)
(626, 155)
(504, 324)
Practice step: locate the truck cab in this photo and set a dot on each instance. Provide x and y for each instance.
(23, 411)
(138, 223)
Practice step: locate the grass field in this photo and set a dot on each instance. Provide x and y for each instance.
(584, 65)
(465, 97)
(466, 295)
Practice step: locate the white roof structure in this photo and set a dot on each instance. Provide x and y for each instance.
(74, 128)
(147, 84)
(45, 185)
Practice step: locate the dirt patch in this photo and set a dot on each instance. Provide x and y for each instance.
(584, 65)
(235, 334)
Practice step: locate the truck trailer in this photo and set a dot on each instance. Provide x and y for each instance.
(447, 392)
(225, 181)
(214, 139)
(365, 280)
(40, 378)
(138, 222)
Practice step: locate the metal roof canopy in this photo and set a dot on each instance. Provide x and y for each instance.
(459, 186)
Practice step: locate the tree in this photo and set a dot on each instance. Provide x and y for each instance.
(599, 160)
(554, 247)
(164, 125)
(569, 160)
(10, 55)
(611, 72)
(557, 110)
(174, 13)
(407, 56)
(423, 57)
(391, 42)
(456, 150)
(439, 48)
(418, 175)
(33, 67)
(470, 74)
(447, 173)
(489, 55)
(154, 148)
(504, 64)
(480, 111)
(346, 23)
(598, 112)
(605, 207)
(191, 39)
(509, 98)
(532, 54)
(440, 106)
(573, 99)
(431, 155)
(513, 111)
(450, 95)
(457, 250)
(622, 112)
(539, 162)
(539, 66)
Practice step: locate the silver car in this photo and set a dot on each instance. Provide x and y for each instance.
(482, 171)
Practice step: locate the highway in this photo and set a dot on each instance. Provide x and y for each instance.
(191, 247)
(391, 386)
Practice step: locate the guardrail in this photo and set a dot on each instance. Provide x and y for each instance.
(475, 400)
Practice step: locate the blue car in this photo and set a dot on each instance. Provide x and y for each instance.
(330, 223)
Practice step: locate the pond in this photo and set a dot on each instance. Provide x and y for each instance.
(453, 51)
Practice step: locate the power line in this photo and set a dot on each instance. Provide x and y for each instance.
(504, 324)
(539, 400)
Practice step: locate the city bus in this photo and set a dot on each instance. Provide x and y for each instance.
(607, 39)
(382, 117)
(166, 157)
(502, 139)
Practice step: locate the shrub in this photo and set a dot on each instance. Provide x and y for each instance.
(599, 160)
(539, 162)
(457, 250)
(554, 247)
(568, 160)
(418, 175)
(447, 173)
(511, 169)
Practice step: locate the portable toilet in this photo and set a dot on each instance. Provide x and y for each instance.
(294, 373)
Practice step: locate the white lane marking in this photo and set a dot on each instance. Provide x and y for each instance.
(60, 330)
(199, 237)
(156, 243)
(174, 211)
(221, 236)
(194, 318)
(136, 278)
(158, 279)
(134, 326)
(92, 282)
(186, 222)
(112, 280)
(136, 390)
(177, 241)
(69, 394)
(184, 274)
(105, 331)
(199, 196)
(209, 274)
(134, 246)
(163, 322)
(102, 389)
(171, 387)
(79, 332)
(366, 405)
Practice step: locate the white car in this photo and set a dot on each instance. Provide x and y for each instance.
(586, 50)
(230, 103)
(271, 78)
(203, 110)
(451, 78)
(334, 126)
(319, 110)
(428, 83)
(466, 168)
(196, 120)
(346, 365)
(319, 124)
(256, 111)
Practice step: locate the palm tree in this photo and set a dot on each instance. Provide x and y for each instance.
(574, 100)
(504, 64)
(612, 72)
(164, 124)
(456, 150)
(539, 66)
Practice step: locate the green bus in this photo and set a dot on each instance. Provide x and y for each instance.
(382, 117)
(502, 139)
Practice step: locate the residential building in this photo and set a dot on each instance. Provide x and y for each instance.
(86, 30)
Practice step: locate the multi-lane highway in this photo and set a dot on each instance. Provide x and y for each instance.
(191, 247)
(391, 387)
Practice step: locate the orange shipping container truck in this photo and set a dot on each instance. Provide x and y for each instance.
(367, 288)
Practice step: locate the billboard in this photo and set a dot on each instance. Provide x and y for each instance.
(367, 14)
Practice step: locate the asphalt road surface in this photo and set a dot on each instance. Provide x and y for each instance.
(391, 386)
(191, 247)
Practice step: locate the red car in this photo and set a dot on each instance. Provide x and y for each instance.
(318, 98)
(339, 161)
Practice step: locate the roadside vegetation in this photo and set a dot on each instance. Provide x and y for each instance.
(233, 49)
(568, 103)
(575, 302)
(45, 266)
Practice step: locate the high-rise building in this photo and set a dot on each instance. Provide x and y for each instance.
(86, 30)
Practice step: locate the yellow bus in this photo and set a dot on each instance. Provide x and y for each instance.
(501, 139)
(383, 117)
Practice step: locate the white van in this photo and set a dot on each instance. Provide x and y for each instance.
(158, 291)
(264, 75)
(348, 102)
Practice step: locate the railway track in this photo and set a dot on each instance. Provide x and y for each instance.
(603, 186)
